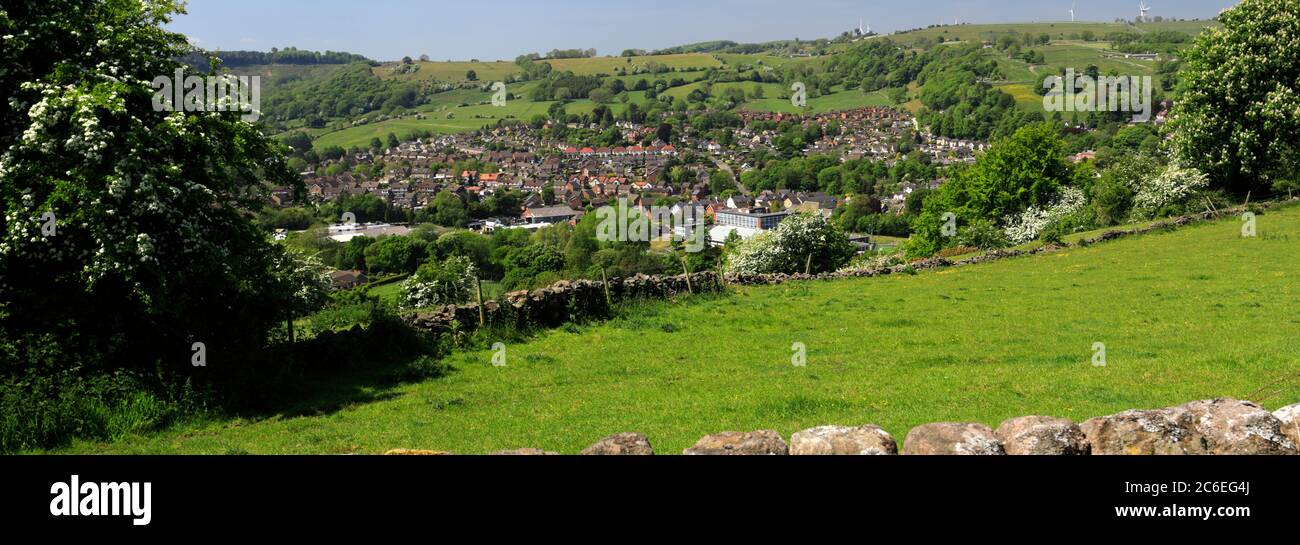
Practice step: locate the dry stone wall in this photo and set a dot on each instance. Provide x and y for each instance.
(1213, 426)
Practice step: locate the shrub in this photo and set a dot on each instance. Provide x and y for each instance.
(45, 411)
(1112, 198)
(984, 235)
(1053, 233)
(1027, 225)
(787, 248)
(1163, 194)
(439, 283)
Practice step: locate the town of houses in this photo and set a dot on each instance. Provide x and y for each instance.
(414, 172)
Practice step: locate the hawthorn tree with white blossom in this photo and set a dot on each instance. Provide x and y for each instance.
(1238, 114)
(152, 248)
(801, 241)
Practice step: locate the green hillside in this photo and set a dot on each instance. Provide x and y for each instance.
(1194, 313)
(1072, 45)
(1058, 30)
(455, 71)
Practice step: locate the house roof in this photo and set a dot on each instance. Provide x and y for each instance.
(551, 211)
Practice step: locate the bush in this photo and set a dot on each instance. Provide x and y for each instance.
(47, 411)
(983, 234)
(787, 248)
(395, 254)
(440, 283)
(1027, 225)
(346, 309)
(1054, 233)
(1112, 198)
(1166, 193)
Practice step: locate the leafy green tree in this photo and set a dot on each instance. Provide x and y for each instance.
(719, 181)
(469, 244)
(125, 232)
(352, 254)
(664, 132)
(299, 141)
(1025, 170)
(395, 254)
(582, 244)
(1236, 117)
(449, 210)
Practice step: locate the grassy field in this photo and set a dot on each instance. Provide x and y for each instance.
(1188, 314)
(1021, 77)
(452, 71)
(736, 60)
(840, 100)
(610, 65)
(455, 71)
(471, 117)
(1059, 30)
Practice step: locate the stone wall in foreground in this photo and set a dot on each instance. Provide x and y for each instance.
(1214, 426)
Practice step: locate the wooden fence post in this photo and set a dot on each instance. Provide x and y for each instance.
(478, 287)
(604, 282)
(687, 270)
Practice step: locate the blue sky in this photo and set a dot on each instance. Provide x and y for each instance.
(503, 29)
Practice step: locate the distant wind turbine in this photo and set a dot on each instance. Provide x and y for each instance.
(1143, 8)
(1072, 6)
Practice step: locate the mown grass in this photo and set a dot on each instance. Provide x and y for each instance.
(1187, 314)
(474, 115)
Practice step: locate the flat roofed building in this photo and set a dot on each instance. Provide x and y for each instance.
(750, 220)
